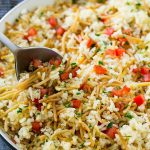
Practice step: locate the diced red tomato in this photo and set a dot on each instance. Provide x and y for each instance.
(51, 91)
(36, 63)
(127, 31)
(37, 104)
(109, 31)
(125, 90)
(85, 87)
(1, 72)
(146, 78)
(90, 42)
(55, 61)
(145, 70)
(76, 103)
(121, 92)
(111, 132)
(135, 70)
(36, 126)
(32, 31)
(60, 31)
(110, 52)
(43, 92)
(52, 21)
(74, 72)
(122, 41)
(104, 20)
(139, 100)
(99, 69)
(64, 76)
(120, 105)
(119, 52)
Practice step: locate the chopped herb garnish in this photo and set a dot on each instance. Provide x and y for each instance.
(101, 1)
(61, 71)
(53, 67)
(19, 110)
(110, 125)
(148, 65)
(67, 104)
(89, 79)
(128, 3)
(73, 65)
(46, 96)
(97, 34)
(100, 63)
(41, 14)
(97, 50)
(126, 106)
(79, 114)
(74, 1)
(17, 20)
(78, 93)
(128, 115)
(138, 5)
(90, 126)
(103, 91)
(82, 145)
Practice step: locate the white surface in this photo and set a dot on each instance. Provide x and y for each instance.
(10, 17)
(26, 4)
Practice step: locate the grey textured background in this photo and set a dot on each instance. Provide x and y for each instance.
(5, 6)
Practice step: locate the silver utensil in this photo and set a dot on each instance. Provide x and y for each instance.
(23, 56)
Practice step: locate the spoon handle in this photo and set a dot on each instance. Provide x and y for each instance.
(8, 43)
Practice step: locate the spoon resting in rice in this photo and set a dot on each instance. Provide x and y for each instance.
(24, 56)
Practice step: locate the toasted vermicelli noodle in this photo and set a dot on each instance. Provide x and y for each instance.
(98, 95)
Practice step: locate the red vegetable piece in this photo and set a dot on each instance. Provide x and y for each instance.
(90, 42)
(60, 31)
(55, 61)
(139, 100)
(36, 126)
(64, 76)
(74, 72)
(120, 105)
(36, 63)
(122, 41)
(43, 92)
(119, 52)
(76, 103)
(85, 87)
(32, 32)
(110, 52)
(121, 92)
(52, 21)
(146, 78)
(111, 132)
(144, 70)
(135, 70)
(37, 104)
(109, 31)
(99, 69)
(1, 72)
(125, 90)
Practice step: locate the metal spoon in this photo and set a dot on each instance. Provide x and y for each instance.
(23, 56)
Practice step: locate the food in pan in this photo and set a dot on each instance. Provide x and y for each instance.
(96, 97)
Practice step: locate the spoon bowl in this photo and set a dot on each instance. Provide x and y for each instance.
(24, 56)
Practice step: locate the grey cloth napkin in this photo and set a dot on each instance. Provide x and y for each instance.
(5, 6)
